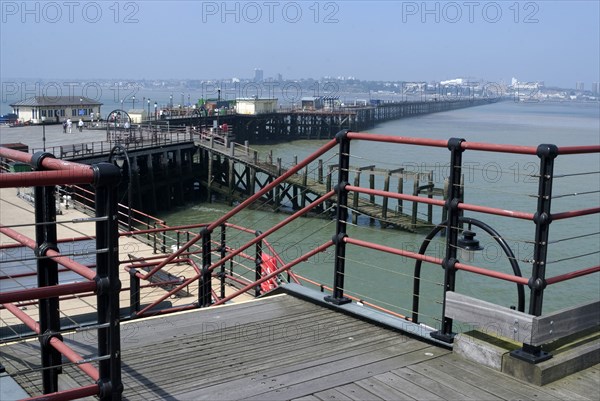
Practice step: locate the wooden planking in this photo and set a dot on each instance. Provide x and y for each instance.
(332, 394)
(584, 385)
(483, 375)
(382, 390)
(488, 317)
(279, 361)
(485, 378)
(282, 353)
(565, 322)
(357, 393)
(407, 387)
(454, 381)
(351, 360)
(351, 374)
(291, 382)
(440, 389)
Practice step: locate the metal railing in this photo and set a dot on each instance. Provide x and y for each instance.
(208, 256)
(103, 281)
(139, 137)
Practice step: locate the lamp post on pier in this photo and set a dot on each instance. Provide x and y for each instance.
(467, 244)
(155, 111)
(133, 102)
(148, 109)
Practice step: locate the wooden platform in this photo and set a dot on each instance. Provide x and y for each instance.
(281, 348)
(359, 205)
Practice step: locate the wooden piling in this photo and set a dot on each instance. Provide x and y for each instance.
(320, 171)
(209, 178)
(415, 205)
(231, 181)
(386, 188)
(400, 190)
(430, 196)
(355, 198)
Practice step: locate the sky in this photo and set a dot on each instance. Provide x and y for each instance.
(557, 42)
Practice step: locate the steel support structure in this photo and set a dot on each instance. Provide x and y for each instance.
(47, 276)
(223, 249)
(107, 179)
(453, 212)
(258, 263)
(204, 292)
(542, 219)
(134, 293)
(337, 297)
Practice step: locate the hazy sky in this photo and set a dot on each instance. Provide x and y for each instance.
(553, 41)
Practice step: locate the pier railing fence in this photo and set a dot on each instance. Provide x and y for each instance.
(241, 260)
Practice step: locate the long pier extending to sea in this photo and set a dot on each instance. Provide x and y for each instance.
(176, 160)
(287, 125)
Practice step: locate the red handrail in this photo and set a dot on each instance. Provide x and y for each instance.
(571, 275)
(574, 150)
(60, 346)
(65, 261)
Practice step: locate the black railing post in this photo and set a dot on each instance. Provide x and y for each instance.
(454, 198)
(223, 254)
(154, 245)
(106, 179)
(47, 275)
(542, 220)
(258, 264)
(134, 293)
(338, 297)
(205, 286)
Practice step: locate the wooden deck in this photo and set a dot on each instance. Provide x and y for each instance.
(281, 348)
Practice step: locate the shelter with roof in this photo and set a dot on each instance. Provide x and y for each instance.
(56, 108)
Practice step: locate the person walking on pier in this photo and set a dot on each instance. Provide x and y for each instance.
(69, 125)
(64, 127)
(80, 125)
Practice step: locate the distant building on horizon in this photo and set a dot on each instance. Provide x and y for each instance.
(258, 75)
(595, 88)
(579, 86)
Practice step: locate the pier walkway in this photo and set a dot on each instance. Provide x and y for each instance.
(285, 348)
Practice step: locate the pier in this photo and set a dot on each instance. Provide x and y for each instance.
(293, 124)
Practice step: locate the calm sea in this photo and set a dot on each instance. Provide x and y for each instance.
(492, 179)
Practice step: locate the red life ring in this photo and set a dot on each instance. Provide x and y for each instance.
(268, 266)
